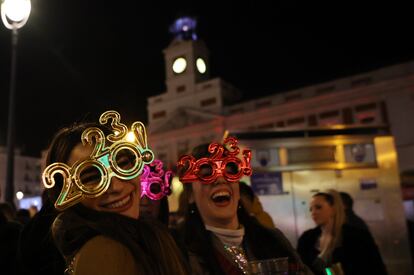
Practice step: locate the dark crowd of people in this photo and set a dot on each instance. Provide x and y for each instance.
(105, 211)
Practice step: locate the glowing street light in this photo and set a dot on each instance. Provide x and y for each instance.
(14, 14)
(19, 195)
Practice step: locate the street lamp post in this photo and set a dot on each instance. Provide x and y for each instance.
(14, 14)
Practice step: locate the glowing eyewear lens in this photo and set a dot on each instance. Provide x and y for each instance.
(155, 188)
(90, 177)
(125, 159)
(205, 171)
(232, 168)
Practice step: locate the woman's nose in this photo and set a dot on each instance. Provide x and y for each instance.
(115, 186)
(220, 179)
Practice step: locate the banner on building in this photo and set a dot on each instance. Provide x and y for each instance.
(267, 183)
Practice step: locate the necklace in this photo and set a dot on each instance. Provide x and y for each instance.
(70, 269)
(238, 256)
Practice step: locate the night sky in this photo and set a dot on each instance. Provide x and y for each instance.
(77, 58)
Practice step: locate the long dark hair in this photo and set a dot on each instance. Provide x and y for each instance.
(154, 250)
(262, 242)
(164, 214)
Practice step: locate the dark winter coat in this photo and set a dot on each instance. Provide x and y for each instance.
(357, 253)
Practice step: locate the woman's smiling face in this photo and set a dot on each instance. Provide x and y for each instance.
(122, 196)
(217, 202)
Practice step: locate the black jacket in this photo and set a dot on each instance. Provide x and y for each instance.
(37, 251)
(9, 237)
(358, 253)
(260, 242)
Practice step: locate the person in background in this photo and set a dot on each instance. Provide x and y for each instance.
(23, 216)
(8, 211)
(9, 237)
(253, 206)
(220, 237)
(155, 209)
(350, 217)
(38, 254)
(182, 210)
(335, 245)
(33, 210)
(156, 187)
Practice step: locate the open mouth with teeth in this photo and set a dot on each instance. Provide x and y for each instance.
(119, 205)
(221, 197)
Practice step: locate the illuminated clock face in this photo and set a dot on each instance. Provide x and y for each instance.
(201, 65)
(179, 65)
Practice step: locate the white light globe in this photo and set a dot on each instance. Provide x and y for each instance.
(17, 10)
(19, 195)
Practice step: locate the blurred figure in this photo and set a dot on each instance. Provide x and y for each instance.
(33, 210)
(154, 209)
(156, 186)
(335, 245)
(253, 206)
(23, 216)
(175, 219)
(351, 218)
(37, 251)
(9, 237)
(179, 216)
(155, 189)
(8, 211)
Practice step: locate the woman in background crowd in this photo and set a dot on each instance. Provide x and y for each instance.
(9, 237)
(156, 186)
(38, 254)
(336, 245)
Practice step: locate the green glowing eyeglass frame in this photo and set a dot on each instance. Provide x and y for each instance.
(102, 158)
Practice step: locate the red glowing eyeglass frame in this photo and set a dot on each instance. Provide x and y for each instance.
(222, 155)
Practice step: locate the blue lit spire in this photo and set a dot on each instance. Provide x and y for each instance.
(184, 28)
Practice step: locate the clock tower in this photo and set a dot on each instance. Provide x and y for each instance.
(186, 58)
(191, 109)
(191, 95)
